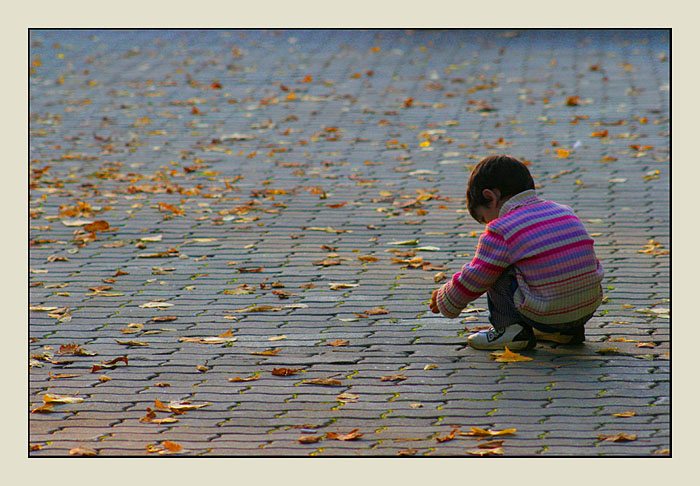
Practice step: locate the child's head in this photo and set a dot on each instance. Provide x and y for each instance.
(495, 179)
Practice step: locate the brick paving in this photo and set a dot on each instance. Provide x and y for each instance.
(224, 158)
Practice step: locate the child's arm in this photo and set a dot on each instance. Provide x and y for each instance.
(476, 277)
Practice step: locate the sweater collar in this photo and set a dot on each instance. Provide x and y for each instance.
(521, 199)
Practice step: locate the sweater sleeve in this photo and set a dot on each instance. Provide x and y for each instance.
(490, 260)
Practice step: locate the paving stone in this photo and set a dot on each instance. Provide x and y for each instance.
(255, 170)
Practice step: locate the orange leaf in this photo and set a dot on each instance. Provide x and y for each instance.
(172, 446)
(238, 379)
(339, 342)
(478, 432)
(621, 437)
(98, 225)
(573, 101)
(270, 352)
(449, 436)
(352, 435)
(627, 414)
(562, 154)
(306, 439)
(284, 371)
(393, 378)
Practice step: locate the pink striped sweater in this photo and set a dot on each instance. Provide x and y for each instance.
(556, 267)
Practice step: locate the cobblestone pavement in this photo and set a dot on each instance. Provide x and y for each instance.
(242, 174)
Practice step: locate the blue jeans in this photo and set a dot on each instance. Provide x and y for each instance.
(504, 313)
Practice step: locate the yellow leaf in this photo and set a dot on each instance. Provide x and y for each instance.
(51, 398)
(627, 414)
(498, 451)
(479, 432)
(562, 154)
(508, 356)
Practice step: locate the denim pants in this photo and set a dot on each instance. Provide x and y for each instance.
(504, 313)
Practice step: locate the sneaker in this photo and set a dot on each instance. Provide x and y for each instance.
(576, 336)
(515, 336)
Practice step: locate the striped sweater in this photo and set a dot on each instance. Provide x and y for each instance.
(556, 267)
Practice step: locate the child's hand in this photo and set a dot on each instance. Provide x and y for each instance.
(433, 302)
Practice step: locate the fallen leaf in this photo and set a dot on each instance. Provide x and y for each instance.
(98, 225)
(393, 378)
(348, 397)
(270, 352)
(493, 444)
(352, 435)
(430, 367)
(376, 311)
(238, 379)
(305, 439)
(284, 371)
(627, 414)
(479, 432)
(339, 342)
(508, 356)
(172, 446)
(45, 408)
(404, 243)
(131, 343)
(226, 337)
(416, 405)
(407, 452)
(277, 338)
(621, 437)
(83, 451)
(341, 286)
(164, 319)
(562, 154)
(323, 382)
(498, 451)
(449, 436)
(155, 305)
(52, 398)
(114, 361)
(259, 308)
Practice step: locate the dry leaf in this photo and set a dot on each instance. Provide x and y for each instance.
(621, 437)
(323, 382)
(277, 338)
(341, 286)
(131, 343)
(449, 436)
(479, 432)
(508, 356)
(270, 352)
(348, 397)
(352, 435)
(83, 451)
(260, 308)
(52, 398)
(237, 379)
(407, 452)
(393, 378)
(629, 413)
(339, 342)
(98, 225)
(493, 444)
(305, 439)
(498, 451)
(284, 371)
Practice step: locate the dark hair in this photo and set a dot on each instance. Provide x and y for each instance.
(502, 172)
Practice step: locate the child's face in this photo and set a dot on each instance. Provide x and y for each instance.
(486, 214)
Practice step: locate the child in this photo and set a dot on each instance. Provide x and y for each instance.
(535, 261)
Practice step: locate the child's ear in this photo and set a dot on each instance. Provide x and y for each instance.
(489, 195)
